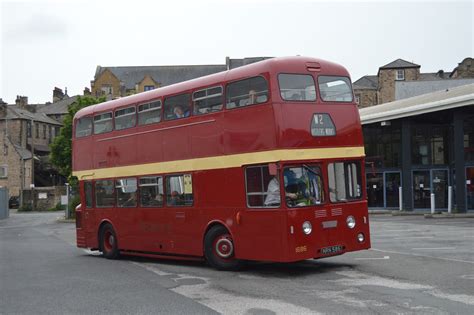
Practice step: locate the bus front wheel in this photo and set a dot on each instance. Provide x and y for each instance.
(219, 249)
(108, 242)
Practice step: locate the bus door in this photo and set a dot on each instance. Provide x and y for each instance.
(88, 214)
(261, 224)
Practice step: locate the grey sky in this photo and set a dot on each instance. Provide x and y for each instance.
(59, 43)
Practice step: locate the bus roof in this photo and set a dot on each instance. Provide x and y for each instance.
(297, 64)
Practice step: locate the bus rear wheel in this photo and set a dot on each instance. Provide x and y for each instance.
(108, 242)
(219, 249)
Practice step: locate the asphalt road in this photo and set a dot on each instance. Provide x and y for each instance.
(416, 265)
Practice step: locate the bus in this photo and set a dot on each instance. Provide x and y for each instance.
(259, 163)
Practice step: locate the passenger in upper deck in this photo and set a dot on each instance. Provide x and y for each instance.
(179, 112)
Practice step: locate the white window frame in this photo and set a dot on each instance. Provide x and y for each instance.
(5, 171)
(400, 75)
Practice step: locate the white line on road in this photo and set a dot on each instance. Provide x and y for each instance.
(433, 248)
(412, 237)
(426, 256)
(374, 258)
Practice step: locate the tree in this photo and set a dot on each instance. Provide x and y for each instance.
(61, 148)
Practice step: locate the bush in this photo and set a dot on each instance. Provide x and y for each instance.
(58, 207)
(25, 207)
(73, 203)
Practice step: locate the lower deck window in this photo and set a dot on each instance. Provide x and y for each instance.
(344, 181)
(126, 192)
(151, 191)
(179, 190)
(263, 189)
(88, 194)
(104, 193)
(303, 186)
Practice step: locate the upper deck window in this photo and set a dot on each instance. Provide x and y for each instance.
(177, 107)
(335, 89)
(149, 113)
(103, 123)
(208, 100)
(83, 127)
(297, 87)
(247, 92)
(125, 118)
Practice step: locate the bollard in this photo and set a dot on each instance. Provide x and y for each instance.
(432, 203)
(400, 207)
(67, 197)
(450, 197)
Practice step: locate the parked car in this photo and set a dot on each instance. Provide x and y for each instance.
(14, 202)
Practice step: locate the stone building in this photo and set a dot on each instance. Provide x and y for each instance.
(401, 79)
(24, 141)
(114, 82)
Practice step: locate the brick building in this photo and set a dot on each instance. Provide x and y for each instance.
(401, 79)
(114, 82)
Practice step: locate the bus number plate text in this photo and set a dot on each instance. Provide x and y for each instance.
(332, 250)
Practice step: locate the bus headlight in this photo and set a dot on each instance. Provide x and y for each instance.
(351, 222)
(360, 237)
(307, 228)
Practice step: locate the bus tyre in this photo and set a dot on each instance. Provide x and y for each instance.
(108, 242)
(219, 249)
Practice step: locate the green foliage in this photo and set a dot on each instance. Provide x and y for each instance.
(73, 203)
(25, 208)
(61, 148)
(57, 207)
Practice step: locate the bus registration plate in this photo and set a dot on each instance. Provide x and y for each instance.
(332, 250)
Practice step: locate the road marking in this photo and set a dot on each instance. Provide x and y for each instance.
(374, 258)
(412, 237)
(426, 256)
(433, 248)
(469, 277)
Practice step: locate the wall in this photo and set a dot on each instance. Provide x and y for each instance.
(387, 82)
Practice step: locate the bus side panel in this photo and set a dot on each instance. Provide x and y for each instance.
(249, 129)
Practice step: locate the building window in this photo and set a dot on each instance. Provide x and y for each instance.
(469, 139)
(429, 145)
(106, 89)
(37, 130)
(357, 96)
(28, 129)
(382, 145)
(44, 131)
(3, 171)
(400, 75)
(149, 87)
(179, 190)
(50, 133)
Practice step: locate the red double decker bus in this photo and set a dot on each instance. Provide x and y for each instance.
(263, 162)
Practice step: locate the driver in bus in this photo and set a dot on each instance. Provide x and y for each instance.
(273, 193)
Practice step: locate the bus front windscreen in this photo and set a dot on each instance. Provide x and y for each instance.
(303, 185)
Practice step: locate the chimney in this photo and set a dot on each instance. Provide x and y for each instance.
(21, 101)
(87, 91)
(3, 109)
(57, 94)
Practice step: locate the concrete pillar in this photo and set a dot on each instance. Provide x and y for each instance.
(406, 166)
(459, 162)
